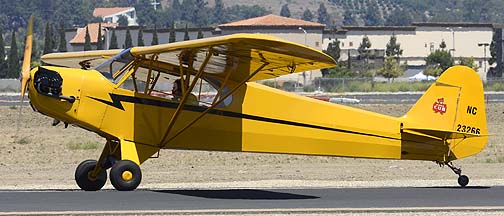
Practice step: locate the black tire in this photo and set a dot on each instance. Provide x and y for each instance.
(82, 176)
(463, 180)
(125, 167)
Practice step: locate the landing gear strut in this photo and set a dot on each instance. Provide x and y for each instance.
(463, 180)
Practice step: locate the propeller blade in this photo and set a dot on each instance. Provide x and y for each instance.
(27, 58)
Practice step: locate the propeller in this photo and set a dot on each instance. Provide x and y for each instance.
(27, 59)
(25, 70)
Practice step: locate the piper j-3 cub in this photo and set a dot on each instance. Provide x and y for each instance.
(124, 96)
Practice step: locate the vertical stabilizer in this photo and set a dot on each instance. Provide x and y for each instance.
(452, 109)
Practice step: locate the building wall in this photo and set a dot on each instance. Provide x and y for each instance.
(419, 43)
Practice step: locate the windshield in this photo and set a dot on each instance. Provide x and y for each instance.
(114, 68)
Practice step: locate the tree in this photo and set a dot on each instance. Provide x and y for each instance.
(337, 72)
(493, 49)
(200, 34)
(364, 46)
(372, 17)
(99, 41)
(172, 34)
(200, 16)
(113, 41)
(122, 21)
(154, 37)
(391, 69)
(186, 34)
(47, 39)
(307, 15)
(442, 45)
(140, 40)
(333, 50)
(349, 19)
(393, 48)
(3, 66)
(176, 9)
(469, 62)
(323, 16)
(13, 67)
(187, 10)
(145, 13)
(432, 70)
(62, 40)
(285, 12)
(218, 12)
(87, 41)
(398, 17)
(437, 62)
(128, 42)
(54, 37)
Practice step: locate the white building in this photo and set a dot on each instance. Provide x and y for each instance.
(420, 39)
(111, 15)
(417, 41)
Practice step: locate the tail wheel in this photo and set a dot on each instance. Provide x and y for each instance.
(84, 179)
(463, 180)
(125, 175)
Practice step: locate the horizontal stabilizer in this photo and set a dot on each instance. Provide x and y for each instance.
(441, 134)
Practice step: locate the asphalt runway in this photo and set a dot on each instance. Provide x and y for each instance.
(252, 200)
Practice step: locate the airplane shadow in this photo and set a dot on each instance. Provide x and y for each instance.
(457, 187)
(246, 194)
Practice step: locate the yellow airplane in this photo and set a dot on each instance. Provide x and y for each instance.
(124, 96)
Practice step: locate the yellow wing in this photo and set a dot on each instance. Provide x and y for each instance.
(77, 59)
(242, 54)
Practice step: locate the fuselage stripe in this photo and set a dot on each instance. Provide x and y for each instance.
(117, 99)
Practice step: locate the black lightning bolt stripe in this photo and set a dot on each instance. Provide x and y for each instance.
(117, 99)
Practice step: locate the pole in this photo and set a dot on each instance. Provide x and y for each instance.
(304, 73)
(453, 41)
(484, 45)
(484, 59)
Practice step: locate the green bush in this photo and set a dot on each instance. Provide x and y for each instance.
(496, 86)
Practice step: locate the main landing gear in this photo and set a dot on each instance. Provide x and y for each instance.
(125, 175)
(463, 180)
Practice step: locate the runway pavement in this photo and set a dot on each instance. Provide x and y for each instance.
(196, 201)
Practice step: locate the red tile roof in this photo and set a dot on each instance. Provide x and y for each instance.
(101, 12)
(80, 37)
(272, 20)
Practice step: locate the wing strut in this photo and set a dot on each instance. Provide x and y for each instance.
(163, 142)
(186, 93)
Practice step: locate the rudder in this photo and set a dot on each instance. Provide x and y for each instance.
(453, 109)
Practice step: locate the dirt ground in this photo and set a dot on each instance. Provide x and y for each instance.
(42, 156)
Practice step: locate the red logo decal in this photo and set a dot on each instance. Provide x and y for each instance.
(439, 106)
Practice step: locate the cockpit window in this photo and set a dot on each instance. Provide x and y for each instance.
(115, 68)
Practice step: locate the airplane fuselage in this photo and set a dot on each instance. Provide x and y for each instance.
(258, 119)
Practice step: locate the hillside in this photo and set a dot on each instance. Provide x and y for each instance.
(390, 12)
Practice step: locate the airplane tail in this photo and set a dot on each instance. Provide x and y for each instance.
(452, 111)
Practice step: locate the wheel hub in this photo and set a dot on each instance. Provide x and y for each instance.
(127, 175)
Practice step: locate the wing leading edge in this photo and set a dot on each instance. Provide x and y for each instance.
(243, 54)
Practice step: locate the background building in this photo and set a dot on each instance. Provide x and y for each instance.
(112, 15)
(464, 40)
(420, 39)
